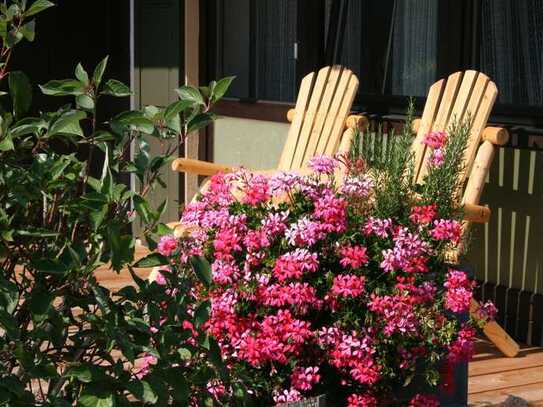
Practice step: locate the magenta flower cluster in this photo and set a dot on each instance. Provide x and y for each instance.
(311, 289)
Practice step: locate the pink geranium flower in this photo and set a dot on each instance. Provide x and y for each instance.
(323, 164)
(353, 256)
(167, 245)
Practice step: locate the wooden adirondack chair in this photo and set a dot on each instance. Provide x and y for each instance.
(318, 121)
(462, 95)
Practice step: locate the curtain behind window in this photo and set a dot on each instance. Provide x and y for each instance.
(410, 63)
(512, 49)
(276, 73)
(414, 47)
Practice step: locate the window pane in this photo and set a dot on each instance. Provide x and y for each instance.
(512, 49)
(276, 22)
(255, 43)
(414, 48)
(233, 45)
(410, 63)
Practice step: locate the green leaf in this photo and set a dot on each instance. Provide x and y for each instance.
(63, 87)
(14, 37)
(68, 123)
(98, 216)
(152, 260)
(175, 108)
(184, 353)
(9, 295)
(200, 121)
(133, 120)
(93, 400)
(3, 28)
(21, 93)
(29, 125)
(201, 314)
(6, 144)
(28, 30)
(143, 209)
(86, 373)
(143, 391)
(190, 94)
(39, 304)
(102, 297)
(9, 324)
(81, 74)
(99, 72)
(175, 377)
(116, 88)
(122, 248)
(84, 102)
(37, 7)
(202, 269)
(221, 88)
(50, 266)
(13, 11)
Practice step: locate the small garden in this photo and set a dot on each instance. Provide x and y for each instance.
(276, 289)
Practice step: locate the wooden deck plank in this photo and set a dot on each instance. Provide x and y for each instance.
(532, 393)
(493, 377)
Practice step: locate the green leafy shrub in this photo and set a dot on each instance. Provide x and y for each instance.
(66, 339)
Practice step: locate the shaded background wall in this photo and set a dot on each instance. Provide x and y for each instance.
(78, 31)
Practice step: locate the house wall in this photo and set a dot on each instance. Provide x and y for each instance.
(250, 143)
(158, 72)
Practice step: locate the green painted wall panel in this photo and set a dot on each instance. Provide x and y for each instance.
(253, 144)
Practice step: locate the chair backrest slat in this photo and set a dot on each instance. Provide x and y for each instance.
(428, 116)
(301, 106)
(324, 110)
(322, 107)
(463, 95)
(311, 116)
(343, 111)
(336, 113)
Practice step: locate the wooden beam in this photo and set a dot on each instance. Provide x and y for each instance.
(192, 69)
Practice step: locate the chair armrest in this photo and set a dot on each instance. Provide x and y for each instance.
(357, 121)
(192, 166)
(496, 135)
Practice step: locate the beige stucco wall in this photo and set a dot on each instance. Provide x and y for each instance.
(251, 143)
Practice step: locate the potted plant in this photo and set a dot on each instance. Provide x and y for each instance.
(335, 282)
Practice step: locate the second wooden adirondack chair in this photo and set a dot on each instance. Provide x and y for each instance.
(462, 95)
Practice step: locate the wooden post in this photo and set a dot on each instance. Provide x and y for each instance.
(290, 115)
(192, 67)
(480, 169)
(497, 335)
(357, 121)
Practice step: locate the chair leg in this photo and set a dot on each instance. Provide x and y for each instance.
(497, 335)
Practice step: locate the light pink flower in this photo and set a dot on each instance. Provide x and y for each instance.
(323, 164)
(304, 378)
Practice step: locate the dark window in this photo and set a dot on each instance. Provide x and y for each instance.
(512, 49)
(256, 42)
(397, 48)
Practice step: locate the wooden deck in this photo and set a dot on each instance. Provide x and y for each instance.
(492, 377)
